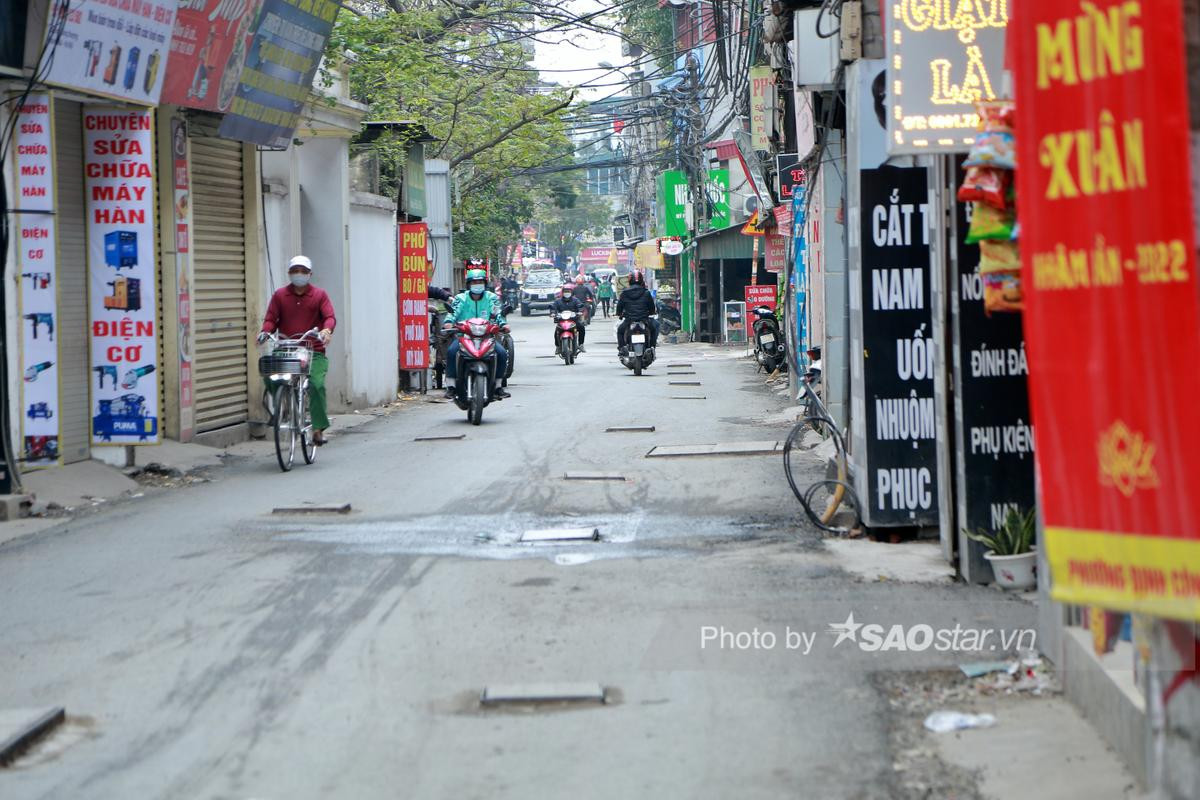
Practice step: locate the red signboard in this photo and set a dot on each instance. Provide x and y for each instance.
(208, 51)
(413, 293)
(1113, 308)
(594, 256)
(763, 295)
(776, 253)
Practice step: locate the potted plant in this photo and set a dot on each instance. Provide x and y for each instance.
(1010, 550)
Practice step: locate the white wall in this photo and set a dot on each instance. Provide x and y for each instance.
(373, 341)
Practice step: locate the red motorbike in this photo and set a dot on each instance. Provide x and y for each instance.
(476, 367)
(566, 336)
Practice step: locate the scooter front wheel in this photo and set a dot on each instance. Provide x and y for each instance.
(478, 398)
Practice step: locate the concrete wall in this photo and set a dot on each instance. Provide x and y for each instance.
(324, 234)
(835, 297)
(373, 341)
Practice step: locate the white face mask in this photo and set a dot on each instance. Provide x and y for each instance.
(299, 278)
(476, 288)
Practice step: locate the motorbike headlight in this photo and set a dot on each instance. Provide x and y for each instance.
(478, 329)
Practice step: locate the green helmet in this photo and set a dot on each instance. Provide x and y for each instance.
(476, 275)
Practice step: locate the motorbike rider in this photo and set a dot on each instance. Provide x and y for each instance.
(636, 305)
(584, 294)
(476, 301)
(567, 301)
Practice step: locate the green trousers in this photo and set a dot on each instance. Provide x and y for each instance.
(316, 391)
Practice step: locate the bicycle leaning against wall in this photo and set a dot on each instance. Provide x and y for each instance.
(284, 367)
(831, 503)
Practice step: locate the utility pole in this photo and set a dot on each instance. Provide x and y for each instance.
(692, 158)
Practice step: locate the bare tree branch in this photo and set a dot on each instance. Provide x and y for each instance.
(511, 129)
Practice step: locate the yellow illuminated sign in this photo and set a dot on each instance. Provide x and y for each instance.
(944, 56)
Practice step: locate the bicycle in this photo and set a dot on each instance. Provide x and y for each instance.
(838, 491)
(285, 366)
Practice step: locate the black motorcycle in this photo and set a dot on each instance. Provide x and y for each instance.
(669, 320)
(638, 354)
(769, 348)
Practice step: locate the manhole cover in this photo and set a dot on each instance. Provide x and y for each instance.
(683, 383)
(688, 397)
(21, 727)
(440, 438)
(630, 429)
(594, 476)
(542, 693)
(342, 509)
(561, 535)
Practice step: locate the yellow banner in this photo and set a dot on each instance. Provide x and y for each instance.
(1126, 572)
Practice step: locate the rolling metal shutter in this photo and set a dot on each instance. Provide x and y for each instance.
(71, 327)
(219, 299)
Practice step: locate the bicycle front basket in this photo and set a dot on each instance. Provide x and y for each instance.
(289, 361)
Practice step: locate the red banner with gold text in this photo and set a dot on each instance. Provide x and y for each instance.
(413, 292)
(1113, 311)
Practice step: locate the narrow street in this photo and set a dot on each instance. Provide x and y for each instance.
(205, 647)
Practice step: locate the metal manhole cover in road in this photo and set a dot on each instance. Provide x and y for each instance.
(447, 438)
(630, 429)
(562, 535)
(500, 694)
(344, 508)
(688, 397)
(21, 727)
(593, 476)
(684, 383)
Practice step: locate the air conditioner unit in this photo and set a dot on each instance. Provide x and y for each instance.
(748, 204)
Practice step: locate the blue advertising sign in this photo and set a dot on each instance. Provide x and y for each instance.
(278, 75)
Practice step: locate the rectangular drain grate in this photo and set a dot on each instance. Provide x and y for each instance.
(562, 535)
(21, 727)
(684, 383)
(342, 509)
(593, 476)
(673, 366)
(672, 374)
(724, 449)
(630, 429)
(688, 397)
(500, 694)
(448, 438)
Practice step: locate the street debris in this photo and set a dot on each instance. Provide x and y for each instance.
(947, 721)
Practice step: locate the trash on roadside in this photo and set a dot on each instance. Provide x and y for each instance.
(946, 721)
(978, 669)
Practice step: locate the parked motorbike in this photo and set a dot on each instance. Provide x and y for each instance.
(476, 368)
(439, 341)
(566, 336)
(638, 353)
(669, 320)
(769, 348)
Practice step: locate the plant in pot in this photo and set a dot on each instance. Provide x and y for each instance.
(1010, 549)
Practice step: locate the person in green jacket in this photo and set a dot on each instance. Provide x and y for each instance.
(606, 293)
(475, 302)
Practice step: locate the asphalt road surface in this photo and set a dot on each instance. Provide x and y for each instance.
(205, 647)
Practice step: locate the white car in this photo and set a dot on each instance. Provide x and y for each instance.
(540, 290)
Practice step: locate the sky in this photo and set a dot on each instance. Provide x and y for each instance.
(581, 49)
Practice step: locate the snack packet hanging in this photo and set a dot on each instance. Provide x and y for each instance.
(996, 115)
(985, 185)
(990, 223)
(1002, 292)
(999, 256)
(993, 149)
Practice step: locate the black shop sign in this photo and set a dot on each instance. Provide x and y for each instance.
(898, 349)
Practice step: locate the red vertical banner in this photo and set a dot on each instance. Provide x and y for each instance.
(412, 294)
(1113, 311)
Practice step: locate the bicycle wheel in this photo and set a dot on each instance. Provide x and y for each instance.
(308, 446)
(285, 427)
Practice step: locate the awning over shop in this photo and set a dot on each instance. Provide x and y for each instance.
(726, 243)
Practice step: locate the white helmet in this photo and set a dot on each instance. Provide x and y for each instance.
(300, 261)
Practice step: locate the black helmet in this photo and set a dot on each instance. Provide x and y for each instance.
(637, 278)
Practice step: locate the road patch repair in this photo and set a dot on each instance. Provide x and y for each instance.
(21, 727)
(593, 476)
(445, 438)
(535, 693)
(344, 508)
(726, 449)
(562, 535)
(630, 429)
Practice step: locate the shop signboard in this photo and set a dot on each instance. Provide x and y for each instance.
(898, 476)
(942, 59)
(1112, 304)
(761, 295)
(993, 433)
(790, 175)
(672, 199)
(184, 276)
(412, 289)
(110, 48)
(208, 50)
(718, 199)
(38, 284)
(776, 256)
(762, 106)
(118, 163)
(282, 59)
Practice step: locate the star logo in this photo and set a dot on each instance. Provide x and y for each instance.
(845, 630)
